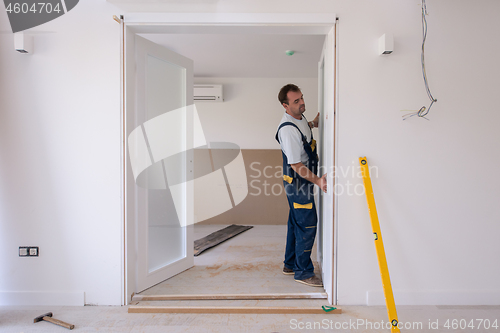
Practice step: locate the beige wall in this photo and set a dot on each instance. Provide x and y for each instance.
(266, 202)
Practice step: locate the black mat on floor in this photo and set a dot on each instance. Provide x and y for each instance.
(220, 236)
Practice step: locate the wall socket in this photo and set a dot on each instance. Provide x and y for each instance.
(28, 251)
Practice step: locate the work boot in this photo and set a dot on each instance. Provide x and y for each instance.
(287, 271)
(313, 281)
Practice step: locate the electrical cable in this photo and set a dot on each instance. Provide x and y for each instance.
(423, 110)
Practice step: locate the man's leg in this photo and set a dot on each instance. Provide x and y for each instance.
(305, 233)
(290, 242)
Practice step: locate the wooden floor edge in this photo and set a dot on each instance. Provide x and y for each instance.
(230, 297)
(231, 310)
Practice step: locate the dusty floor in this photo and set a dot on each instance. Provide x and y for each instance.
(248, 263)
(251, 262)
(353, 318)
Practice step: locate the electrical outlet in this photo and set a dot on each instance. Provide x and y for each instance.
(28, 251)
(23, 251)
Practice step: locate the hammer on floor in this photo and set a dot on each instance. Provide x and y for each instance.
(48, 317)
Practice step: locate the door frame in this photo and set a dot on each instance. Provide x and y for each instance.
(327, 232)
(240, 23)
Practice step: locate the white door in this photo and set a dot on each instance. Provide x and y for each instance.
(326, 89)
(159, 139)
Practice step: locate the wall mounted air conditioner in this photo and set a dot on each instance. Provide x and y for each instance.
(208, 93)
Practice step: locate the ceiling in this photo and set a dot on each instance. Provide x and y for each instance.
(247, 55)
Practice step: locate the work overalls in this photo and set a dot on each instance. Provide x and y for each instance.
(302, 218)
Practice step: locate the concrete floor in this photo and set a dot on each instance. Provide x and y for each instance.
(249, 263)
(116, 319)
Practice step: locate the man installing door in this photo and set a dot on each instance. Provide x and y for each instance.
(300, 164)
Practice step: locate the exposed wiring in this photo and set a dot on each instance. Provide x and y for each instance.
(423, 110)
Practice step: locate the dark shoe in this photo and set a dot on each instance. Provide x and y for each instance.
(287, 271)
(313, 281)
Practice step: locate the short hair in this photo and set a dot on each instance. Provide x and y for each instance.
(282, 96)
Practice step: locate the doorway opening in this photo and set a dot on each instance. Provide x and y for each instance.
(215, 262)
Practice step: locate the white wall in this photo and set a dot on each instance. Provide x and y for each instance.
(437, 190)
(60, 161)
(251, 112)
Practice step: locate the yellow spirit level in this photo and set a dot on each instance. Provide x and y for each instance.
(379, 246)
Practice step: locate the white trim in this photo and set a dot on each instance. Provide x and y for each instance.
(123, 167)
(329, 143)
(34, 298)
(319, 197)
(232, 18)
(336, 159)
(240, 23)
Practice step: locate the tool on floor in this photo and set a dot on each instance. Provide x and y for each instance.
(48, 317)
(379, 245)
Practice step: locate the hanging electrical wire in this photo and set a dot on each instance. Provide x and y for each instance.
(423, 110)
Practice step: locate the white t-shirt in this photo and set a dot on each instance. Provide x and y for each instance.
(291, 140)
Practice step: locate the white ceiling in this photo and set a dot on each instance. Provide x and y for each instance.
(246, 55)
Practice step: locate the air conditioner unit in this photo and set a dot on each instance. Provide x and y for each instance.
(208, 93)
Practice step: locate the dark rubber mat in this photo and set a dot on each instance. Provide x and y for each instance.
(220, 236)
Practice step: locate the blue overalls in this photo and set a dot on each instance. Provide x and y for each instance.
(302, 218)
